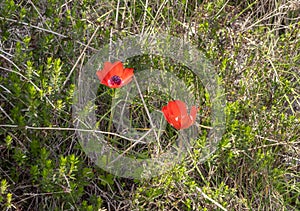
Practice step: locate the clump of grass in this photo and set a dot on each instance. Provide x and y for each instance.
(254, 47)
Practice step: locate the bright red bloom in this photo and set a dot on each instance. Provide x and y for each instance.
(176, 114)
(114, 75)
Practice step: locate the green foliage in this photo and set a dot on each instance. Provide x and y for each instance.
(254, 47)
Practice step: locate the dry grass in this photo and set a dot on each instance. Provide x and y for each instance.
(255, 49)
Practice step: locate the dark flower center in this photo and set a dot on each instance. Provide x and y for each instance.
(116, 80)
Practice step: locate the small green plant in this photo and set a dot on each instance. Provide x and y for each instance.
(254, 48)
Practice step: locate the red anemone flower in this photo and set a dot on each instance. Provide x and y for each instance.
(114, 75)
(176, 114)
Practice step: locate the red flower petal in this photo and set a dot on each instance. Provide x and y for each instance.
(176, 114)
(172, 121)
(166, 113)
(193, 114)
(177, 108)
(186, 122)
(108, 65)
(105, 71)
(114, 69)
(127, 75)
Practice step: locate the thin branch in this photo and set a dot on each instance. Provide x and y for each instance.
(210, 199)
(139, 140)
(73, 129)
(73, 68)
(146, 108)
(45, 30)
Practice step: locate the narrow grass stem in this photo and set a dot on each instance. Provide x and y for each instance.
(72, 129)
(210, 199)
(146, 108)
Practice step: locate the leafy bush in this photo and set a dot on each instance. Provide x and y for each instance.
(254, 47)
